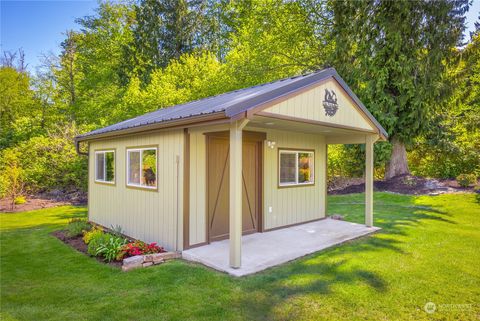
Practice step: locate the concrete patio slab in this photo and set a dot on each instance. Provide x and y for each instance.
(261, 251)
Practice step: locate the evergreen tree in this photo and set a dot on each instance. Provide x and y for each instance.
(393, 54)
(166, 29)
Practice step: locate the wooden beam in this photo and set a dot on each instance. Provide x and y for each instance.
(235, 224)
(369, 141)
(325, 187)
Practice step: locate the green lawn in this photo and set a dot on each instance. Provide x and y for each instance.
(428, 250)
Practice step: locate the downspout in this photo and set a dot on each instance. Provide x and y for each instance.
(177, 161)
(77, 148)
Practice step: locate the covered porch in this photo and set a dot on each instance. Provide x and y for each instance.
(289, 214)
(252, 253)
(261, 251)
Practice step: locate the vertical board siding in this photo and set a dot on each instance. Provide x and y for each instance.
(289, 205)
(292, 205)
(309, 105)
(148, 215)
(198, 190)
(198, 184)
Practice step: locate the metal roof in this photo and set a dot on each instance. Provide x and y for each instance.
(232, 103)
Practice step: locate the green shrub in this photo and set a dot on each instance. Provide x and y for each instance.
(77, 227)
(20, 200)
(465, 180)
(95, 241)
(94, 232)
(111, 247)
(116, 230)
(106, 245)
(46, 162)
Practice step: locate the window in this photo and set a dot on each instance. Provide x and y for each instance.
(142, 167)
(296, 167)
(105, 166)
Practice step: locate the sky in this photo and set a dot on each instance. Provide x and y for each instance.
(39, 26)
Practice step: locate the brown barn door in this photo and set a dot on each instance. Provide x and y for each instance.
(218, 170)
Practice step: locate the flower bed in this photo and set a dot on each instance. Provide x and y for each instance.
(111, 246)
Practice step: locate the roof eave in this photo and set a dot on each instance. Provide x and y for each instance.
(383, 133)
(171, 124)
(235, 111)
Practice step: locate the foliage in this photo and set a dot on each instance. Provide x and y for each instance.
(465, 180)
(103, 244)
(116, 230)
(130, 58)
(165, 30)
(96, 240)
(77, 227)
(276, 39)
(452, 145)
(393, 55)
(349, 160)
(95, 232)
(16, 102)
(46, 162)
(12, 176)
(139, 248)
(110, 247)
(20, 200)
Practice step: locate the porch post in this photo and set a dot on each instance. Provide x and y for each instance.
(235, 227)
(369, 141)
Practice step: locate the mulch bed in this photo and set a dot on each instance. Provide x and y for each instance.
(411, 185)
(45, 200)
(30, 205)
(78, 244)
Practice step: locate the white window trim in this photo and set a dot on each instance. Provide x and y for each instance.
(104, 181)
(141, 160)
(295, 152)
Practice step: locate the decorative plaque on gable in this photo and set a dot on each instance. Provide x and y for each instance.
(330, 103)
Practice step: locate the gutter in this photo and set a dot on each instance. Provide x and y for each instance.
(77, 148)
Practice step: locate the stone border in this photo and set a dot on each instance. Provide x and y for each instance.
(142, 261)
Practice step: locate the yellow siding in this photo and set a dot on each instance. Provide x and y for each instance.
(289, 205)
(293, 204)
(308, 105)
(198, 184)
(147, 215)
(197, 188)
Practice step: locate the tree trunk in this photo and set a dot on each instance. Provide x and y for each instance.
(398, 164)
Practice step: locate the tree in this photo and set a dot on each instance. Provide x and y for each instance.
(452, 146)
(90, 72)
(16, 102)
(14, 59)
(192, 76)
(11, 177)
(67, 74)
(166, 29)
(273, 39)
(393, 54)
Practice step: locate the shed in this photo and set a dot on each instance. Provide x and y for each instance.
(247, 161)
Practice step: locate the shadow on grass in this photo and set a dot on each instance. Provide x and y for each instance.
(71, 216)
(322, 272)
(52, 218)
(266, 292)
